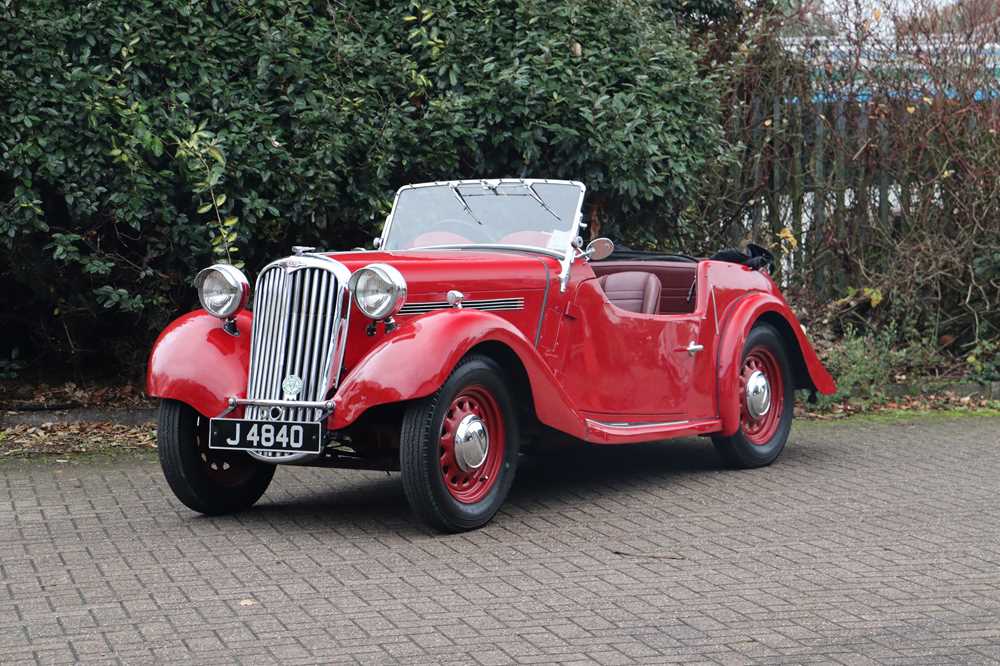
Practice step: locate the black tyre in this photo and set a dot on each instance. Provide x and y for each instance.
(764, 424)
(459, 447)
(207, 481)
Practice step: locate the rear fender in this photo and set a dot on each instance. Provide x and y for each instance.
(414, 361)
(196, 362)
(741, 316)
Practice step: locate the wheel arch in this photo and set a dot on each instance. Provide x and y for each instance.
(807, 371)
(801, 379)
(429, 350)
(196, 362)
(513, 368)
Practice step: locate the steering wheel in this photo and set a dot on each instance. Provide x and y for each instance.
(479, 229)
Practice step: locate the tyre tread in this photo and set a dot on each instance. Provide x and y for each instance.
(734, 449)
(175, 430)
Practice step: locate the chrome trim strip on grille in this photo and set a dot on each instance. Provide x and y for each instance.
(488, 304)
(300, 321)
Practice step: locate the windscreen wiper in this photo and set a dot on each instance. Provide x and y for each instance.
(538, 199)
(465, 204)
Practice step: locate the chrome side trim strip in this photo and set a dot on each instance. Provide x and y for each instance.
(636, 424)
(489, 305)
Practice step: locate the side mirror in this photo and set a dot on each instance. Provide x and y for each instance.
(599, 248)
(377, 243)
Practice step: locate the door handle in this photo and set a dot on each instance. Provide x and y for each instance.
(694, 348)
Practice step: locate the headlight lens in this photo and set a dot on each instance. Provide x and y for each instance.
(379, 290)
(223, 290)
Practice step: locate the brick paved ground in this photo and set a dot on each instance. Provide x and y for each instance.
(865, 543)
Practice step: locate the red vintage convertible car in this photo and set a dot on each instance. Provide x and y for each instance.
(479, 327)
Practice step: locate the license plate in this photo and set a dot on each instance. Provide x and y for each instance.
(286, 437)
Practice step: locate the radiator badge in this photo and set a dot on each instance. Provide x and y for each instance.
(291, 387)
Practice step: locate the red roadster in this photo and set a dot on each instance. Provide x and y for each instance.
(480, 326)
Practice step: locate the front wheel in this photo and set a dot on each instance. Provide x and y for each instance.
(767, 401)
(458, 448)
(208, 481)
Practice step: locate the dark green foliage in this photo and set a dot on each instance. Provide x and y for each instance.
(706, 12)
(142, 137)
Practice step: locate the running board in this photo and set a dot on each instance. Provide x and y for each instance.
(600, 432)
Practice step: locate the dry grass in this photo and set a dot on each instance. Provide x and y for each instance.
(943, 402)
(74, 438)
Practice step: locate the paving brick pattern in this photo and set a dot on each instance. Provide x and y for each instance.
(866, 543)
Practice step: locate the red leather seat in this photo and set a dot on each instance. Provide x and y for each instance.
(635, 291)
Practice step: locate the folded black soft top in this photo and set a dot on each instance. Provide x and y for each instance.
(753, 255)
(625, 254)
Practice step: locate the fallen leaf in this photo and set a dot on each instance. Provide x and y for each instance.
(786, 235)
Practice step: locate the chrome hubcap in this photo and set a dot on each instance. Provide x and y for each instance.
(758, 395)
(472, 443)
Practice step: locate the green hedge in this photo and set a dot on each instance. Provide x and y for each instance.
(139, 135)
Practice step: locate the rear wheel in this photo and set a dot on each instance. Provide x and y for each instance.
(205, 480)
(767, 399)
(459, 447)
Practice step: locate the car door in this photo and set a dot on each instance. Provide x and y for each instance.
(625, 367)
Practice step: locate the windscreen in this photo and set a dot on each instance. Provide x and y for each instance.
(523, 213)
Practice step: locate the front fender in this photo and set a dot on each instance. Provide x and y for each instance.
(741, 316)
(196, 362)
(414, 361)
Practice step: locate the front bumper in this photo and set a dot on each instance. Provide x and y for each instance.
(326, 406)
(277, 413)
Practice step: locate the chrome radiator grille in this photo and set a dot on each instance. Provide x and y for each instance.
(300, 314)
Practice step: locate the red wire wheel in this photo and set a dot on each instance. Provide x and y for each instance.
(471, 485)
(759, 428)
(458, 447)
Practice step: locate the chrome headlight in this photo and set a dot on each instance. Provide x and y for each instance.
(379, 290)
(223, 290)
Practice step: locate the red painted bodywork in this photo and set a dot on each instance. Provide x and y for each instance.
(596, 372)
(198, 363)
(740, 317)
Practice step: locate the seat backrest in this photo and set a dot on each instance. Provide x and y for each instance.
(678, 293)
(635, 291)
